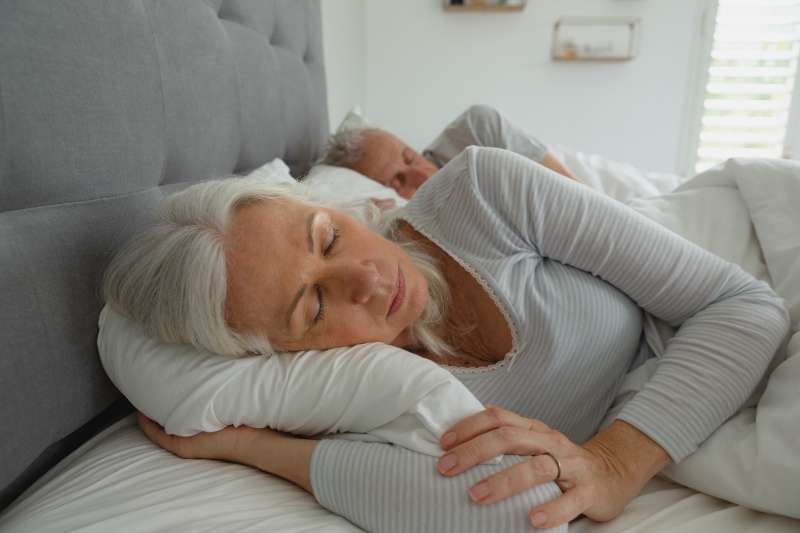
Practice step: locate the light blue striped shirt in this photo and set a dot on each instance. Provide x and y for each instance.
(574, 272)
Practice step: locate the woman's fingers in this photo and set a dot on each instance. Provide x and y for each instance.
(487, 434)
(514, 479)
(180, 446)
(576, 481)
(500, 441)
(559, 511)
(491, 418)
(154, 431)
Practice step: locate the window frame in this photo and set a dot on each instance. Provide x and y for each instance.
(698, 80)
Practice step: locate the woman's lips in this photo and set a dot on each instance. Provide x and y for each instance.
(399, 295)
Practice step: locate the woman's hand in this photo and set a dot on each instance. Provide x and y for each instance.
(265, 449)
(598, 479)
(224, 445)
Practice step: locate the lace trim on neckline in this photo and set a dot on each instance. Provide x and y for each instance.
(508, 360)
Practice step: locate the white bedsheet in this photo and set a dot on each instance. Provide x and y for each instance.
(121, 482)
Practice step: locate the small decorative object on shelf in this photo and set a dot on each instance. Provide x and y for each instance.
(484, 5)
(596, 39)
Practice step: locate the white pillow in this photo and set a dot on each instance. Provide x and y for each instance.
(354, 119)
(341, 181)
(386, 393)
(276, 170)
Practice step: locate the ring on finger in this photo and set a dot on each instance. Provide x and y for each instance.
(558, 464)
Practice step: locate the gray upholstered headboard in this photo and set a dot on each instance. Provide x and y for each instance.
(107, 106)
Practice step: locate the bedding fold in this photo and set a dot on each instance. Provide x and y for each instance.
(753, 459)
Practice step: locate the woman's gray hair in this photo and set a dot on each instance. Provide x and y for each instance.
(422, 330)
(172, 279)
(345, 147)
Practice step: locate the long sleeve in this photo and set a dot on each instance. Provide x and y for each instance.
(729, 324)
(386, 488)
(482, 125)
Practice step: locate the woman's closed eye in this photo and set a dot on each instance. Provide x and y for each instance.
(334, 241)
(321, 299)
(321, 312)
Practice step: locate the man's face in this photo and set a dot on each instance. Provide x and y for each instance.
(390, 162)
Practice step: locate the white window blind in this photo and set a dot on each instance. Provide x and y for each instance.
(751, 80)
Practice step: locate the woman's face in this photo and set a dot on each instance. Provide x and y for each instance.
(314, 278)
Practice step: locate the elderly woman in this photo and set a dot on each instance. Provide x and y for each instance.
(531, 288)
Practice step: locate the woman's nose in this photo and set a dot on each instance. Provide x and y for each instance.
(360, 280)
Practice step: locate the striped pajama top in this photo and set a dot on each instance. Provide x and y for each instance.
(573, 272)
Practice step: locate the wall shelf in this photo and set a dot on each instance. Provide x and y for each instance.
(596, 39)
(516, 5)
(452, 7)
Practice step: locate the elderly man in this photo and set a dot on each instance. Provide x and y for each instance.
(383, 157)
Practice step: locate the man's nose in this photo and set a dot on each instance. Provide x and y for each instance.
(419, 176)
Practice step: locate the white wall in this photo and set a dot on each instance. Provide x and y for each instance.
(423, 66)
(344, 46)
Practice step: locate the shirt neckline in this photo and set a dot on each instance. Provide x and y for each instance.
(506, 311)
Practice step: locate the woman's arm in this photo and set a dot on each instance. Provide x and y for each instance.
(379, 487)
(264, 449)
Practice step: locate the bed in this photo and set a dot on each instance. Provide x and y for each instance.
(106, 109)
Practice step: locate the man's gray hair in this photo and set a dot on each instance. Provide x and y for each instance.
(172, 279)
(345, 147)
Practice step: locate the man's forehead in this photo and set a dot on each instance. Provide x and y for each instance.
(385, 139)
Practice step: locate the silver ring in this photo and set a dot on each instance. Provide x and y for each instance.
(558, 464)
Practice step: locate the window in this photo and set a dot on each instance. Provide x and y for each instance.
(747, 108)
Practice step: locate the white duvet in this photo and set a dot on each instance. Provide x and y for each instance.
(754, 458)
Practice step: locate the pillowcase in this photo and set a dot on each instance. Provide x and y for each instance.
(354, 119)
(276, 170)
(341, 181)
(379, 392)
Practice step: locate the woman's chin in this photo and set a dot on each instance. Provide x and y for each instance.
(403, 340)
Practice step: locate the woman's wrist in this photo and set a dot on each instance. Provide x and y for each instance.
(628, 451)
(279, 454)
